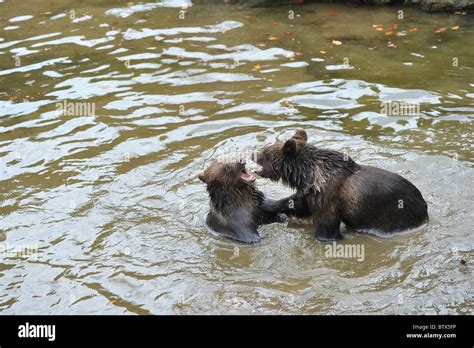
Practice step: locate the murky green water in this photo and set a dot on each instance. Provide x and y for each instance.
(108, 198)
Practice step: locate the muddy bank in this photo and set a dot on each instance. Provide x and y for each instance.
(427, 5)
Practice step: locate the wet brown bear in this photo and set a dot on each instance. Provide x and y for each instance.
(332, 188)
(234, 202)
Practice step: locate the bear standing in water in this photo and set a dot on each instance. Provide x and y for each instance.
(234, 207)
(332, 188)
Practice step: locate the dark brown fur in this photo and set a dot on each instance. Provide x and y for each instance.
(234, 203)
(332, 188)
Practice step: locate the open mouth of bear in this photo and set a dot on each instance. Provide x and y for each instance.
(246, 177)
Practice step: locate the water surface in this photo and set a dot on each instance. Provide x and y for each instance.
(107, 196)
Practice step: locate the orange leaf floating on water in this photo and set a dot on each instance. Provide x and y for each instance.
(328, 26)
(440, 30)
(402, 33)
(291, 59)
(257, 67)
(298, 53)
(288, 104)
(322, 52)
(379, 29)
(336, 42)
(288, 33)
(388, 33)
(456, 27)
(392, 27)
(251, 19)
(377, 25)
(392, 45)
(334, 13)
(272, 38)
(413, 30)
(275, 23)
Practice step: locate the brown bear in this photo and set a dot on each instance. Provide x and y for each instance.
(234, 202)
(332, 188)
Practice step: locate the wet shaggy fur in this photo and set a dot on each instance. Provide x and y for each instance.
(234, 203)
(332, 188)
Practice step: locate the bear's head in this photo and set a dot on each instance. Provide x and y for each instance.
(271, 161)
(226, 175)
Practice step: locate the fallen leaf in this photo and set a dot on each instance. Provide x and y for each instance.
(440, 30)
(392, 27)
(251, 19)
(272, 38)
(328, 26)
(336, 42)
(379, 29)
(402, 33)
(413, 30)
(456, 27)
(334, 13)
(292, 59)
(288, 104)
(388, 33)
(257, 67)
(322, 52)
(377, 25)
(392, 45)
(288, 33)
(460, 13)
(298, 53)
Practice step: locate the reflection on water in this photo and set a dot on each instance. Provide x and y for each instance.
(107, 113)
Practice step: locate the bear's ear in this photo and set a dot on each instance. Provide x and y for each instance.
(301, 135)
(289, 148)
(202, 177)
